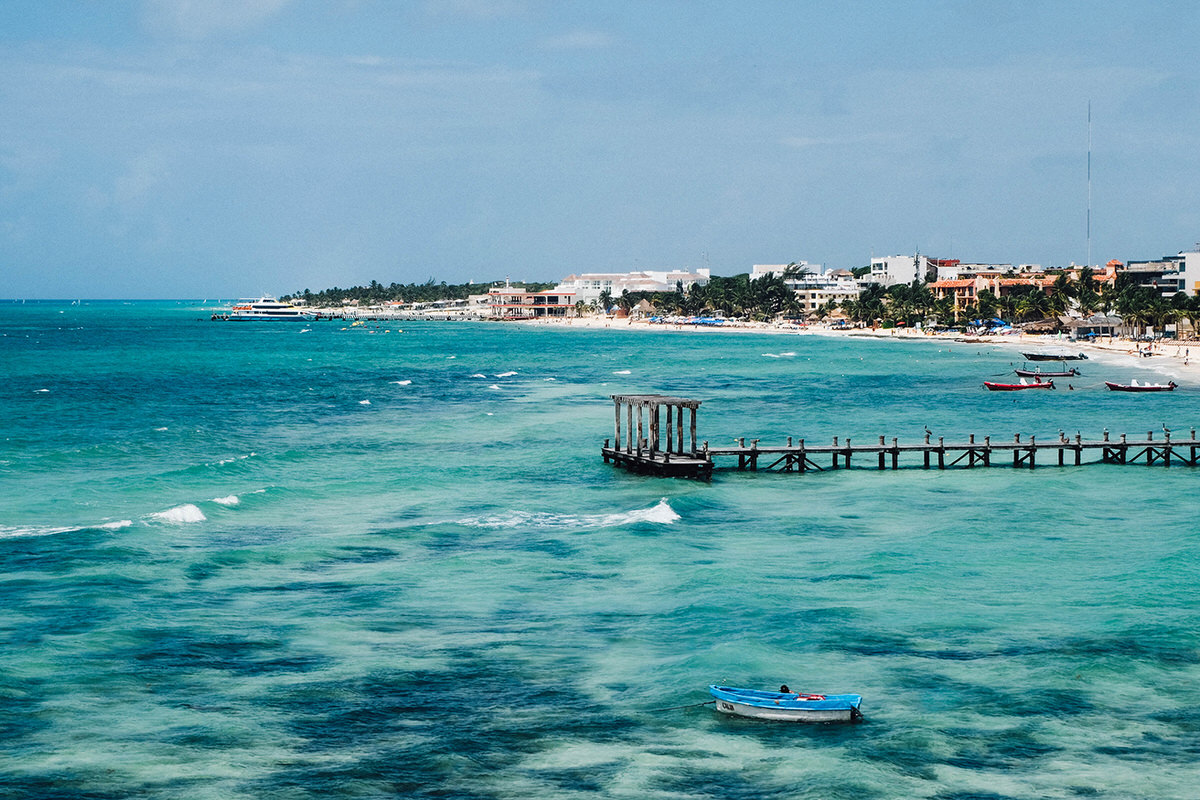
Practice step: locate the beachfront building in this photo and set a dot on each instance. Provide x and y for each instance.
(951, 269)
(588, 286)
(505, 302)
(815, 289)
(966, 288)
(892, 270)
(1169, 274)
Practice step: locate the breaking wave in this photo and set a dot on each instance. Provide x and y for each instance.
(28, 531)
(180, 515)
(659, 514)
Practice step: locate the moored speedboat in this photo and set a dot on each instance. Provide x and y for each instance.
(267, 308)
(787, 706)
(1054, 356)
(992, 386)
(1134, 386)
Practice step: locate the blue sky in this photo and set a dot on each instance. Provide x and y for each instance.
(182, 148)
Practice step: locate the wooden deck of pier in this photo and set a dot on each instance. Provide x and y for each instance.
(646, 454)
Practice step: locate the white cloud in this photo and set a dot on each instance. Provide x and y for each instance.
(200, 19)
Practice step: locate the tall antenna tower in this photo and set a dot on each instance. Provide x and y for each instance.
(1089, 187)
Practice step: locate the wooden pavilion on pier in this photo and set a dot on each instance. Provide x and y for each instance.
(650, 446)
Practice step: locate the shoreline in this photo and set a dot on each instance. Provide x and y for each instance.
(1168, 359)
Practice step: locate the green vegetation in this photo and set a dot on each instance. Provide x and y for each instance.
(769, 298)
(426, 292)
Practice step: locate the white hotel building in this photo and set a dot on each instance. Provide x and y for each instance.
(589, 285)
(815, 289)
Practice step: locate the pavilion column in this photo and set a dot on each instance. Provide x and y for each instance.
(679, 429)
(629, 427)
(693, 430)
(639, 430)
(670, 431)
(617, 420)
(655, 445)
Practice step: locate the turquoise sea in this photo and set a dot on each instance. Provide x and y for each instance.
(303, 560)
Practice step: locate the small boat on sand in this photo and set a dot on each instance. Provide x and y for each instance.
(1014, 387)
(1037, 373)
(787, 706)
(1134, 386)
(1055, 356)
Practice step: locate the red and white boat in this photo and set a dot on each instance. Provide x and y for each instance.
(1134, 386)
(1016, 387)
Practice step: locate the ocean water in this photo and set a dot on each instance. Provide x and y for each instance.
(293, 561)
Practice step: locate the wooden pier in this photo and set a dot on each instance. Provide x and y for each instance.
(642, 449)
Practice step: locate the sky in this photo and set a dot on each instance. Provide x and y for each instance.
(225, 148)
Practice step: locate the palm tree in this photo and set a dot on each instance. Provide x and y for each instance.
(1062, 292)
(605, 300)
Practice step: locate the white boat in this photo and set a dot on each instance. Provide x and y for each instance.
(787, 706)
(267, 308)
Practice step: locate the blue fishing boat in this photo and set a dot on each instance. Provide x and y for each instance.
(787, 706)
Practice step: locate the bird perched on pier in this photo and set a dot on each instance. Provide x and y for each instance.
(1165, 428)
(927, 431)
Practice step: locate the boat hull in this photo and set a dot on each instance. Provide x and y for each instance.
(1120, 387)
(779, 707)
(1055, 356)
(1016, 387)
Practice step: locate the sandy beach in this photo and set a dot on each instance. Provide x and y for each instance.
(1167, 359)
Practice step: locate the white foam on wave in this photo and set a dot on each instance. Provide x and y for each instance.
(21, 531)
(40, 391)
(228, 500)
(623, 372)
(494, 386)
(180, 515)
(29, 531)
(479, 375)
(364, 402)
(659, 514)
(160, 430)
(505, 375)
(402, 383)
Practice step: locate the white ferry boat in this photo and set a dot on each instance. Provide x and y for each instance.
(267, 308)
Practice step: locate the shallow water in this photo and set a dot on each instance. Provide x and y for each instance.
(226, 575)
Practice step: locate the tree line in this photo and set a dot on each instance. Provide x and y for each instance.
(769, 297)
(428, 292)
